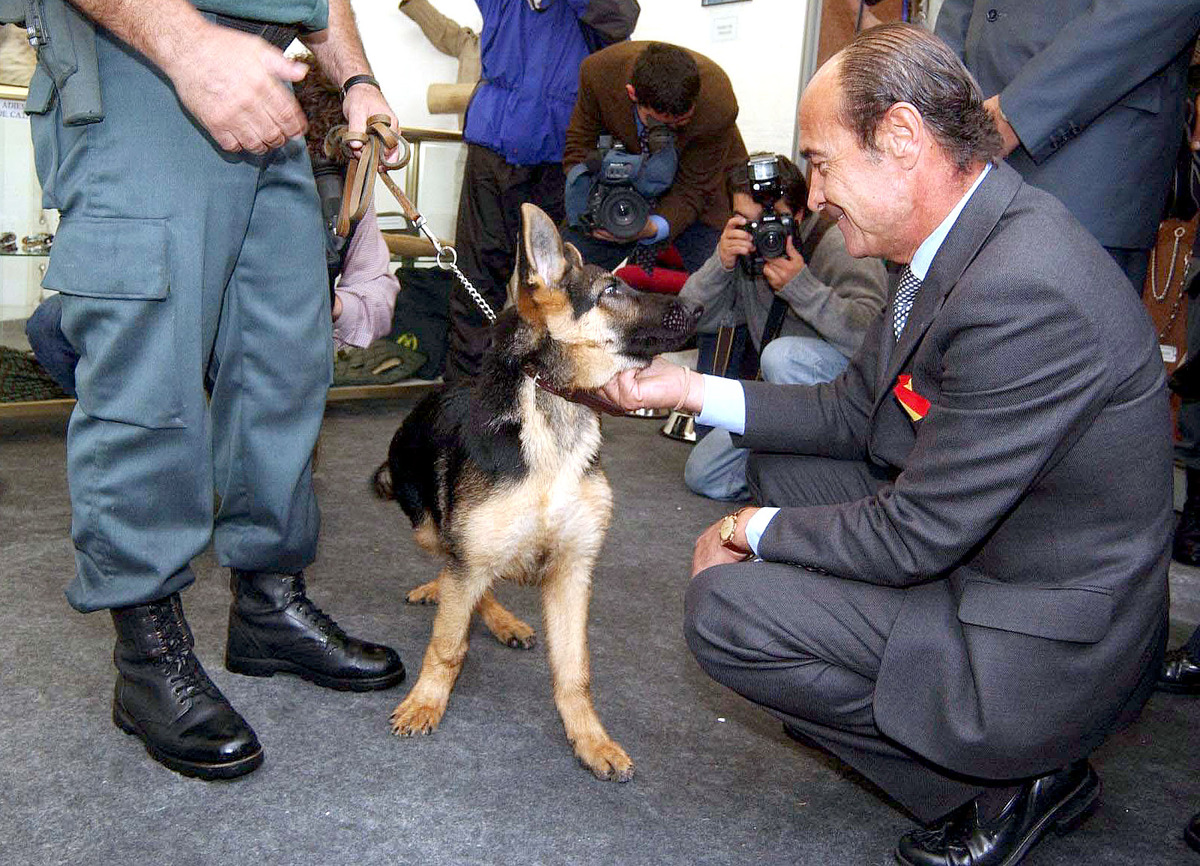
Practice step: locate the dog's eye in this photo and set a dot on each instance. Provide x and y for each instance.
(612, 290)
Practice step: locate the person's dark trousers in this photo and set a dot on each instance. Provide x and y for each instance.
(1134, 262)
(807, 647)
(489, 223)
(50, 346)
(1186, 543)
(695, 245)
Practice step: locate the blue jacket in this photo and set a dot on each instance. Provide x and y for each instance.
(530, 77)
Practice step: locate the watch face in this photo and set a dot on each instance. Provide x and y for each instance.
(728, 527)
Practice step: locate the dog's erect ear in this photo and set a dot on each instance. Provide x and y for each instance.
(574, 257)
(544, 261)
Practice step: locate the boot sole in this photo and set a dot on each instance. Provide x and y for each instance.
(270, 667)
(194, 769)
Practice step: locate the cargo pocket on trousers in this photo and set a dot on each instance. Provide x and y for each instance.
(118, 313)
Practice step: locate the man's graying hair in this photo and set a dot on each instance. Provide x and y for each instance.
(900, 62)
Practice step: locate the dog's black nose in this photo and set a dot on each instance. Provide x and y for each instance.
(681, 317)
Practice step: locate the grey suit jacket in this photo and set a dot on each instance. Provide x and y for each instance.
(1095, 92)
(1031, 508)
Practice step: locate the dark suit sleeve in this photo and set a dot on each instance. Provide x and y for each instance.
(952, 21)
(586, 123)
(831, 419)
(1098, 58)
(1022, 375)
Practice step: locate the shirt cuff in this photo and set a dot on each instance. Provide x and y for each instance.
(664, 229)
(724, 404)
(757, 525)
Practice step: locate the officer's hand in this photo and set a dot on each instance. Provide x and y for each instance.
(734, 242)
(237, 87)
(362, 101)
(780, 271)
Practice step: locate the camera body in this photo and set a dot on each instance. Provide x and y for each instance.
(613, 202)
(771, 230)
(770, 233)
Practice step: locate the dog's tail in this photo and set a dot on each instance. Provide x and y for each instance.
(381, 481)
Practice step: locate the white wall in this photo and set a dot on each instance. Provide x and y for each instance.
(757, 42)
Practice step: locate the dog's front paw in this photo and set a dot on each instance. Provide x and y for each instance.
(412, 717)
(605, 759)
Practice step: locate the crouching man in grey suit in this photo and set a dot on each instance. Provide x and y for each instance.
(964, 545)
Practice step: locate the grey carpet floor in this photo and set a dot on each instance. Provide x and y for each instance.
(717, 781)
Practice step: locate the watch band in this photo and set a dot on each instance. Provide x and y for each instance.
(359, 79)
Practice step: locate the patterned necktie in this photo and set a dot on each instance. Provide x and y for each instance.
(906, 292)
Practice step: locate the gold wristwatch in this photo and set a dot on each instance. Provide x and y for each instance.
(728, 530)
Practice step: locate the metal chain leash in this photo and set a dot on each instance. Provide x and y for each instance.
(380, 135)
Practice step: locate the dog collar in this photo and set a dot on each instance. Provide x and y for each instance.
(584, 398)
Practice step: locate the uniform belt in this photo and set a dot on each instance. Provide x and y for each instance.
(279, 35)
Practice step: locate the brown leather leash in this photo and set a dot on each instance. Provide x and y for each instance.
(361, 170)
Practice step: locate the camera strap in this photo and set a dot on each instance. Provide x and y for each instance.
(362, 169)
(779, 306)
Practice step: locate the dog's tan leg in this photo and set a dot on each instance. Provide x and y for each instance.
(422, 710)
(565, 593)
(501, 622)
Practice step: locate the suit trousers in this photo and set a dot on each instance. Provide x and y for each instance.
(807, 647)
(194, 291)
(489, 226)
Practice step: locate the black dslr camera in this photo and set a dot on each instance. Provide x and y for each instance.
(613, 203)
(770, 231)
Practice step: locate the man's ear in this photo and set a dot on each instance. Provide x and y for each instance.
(901, 133)
(632, 93)
(544, 260)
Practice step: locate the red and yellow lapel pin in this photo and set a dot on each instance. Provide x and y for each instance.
(914, 404)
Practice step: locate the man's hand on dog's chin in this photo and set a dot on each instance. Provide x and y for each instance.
(662, 385)
(709, 550)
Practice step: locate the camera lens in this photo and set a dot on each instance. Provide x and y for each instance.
(771, 241)
(623, 213)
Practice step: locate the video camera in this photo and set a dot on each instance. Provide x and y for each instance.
(625, 185)
(613, 203)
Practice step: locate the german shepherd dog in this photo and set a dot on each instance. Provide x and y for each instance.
(502, 476)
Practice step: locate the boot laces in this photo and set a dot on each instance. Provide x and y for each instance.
(321, 621)
(188, 679)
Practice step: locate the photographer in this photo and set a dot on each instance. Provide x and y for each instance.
(781, 272)
(658, 101)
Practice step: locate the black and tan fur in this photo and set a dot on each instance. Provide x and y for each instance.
(502, 477)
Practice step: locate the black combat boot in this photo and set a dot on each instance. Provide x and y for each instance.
(274, 627)
(164, 697)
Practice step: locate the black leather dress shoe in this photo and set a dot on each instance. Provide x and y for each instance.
(275, 628)
(1180, 673)
(164, 697)
(1191, 833)
(1058, 801)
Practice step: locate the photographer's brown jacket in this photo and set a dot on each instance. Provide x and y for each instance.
(708, 146)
